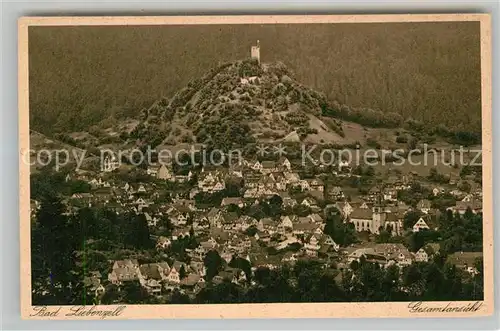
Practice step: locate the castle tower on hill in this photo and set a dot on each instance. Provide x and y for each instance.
(255, 52)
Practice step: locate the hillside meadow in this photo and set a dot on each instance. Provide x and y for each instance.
(80, 76)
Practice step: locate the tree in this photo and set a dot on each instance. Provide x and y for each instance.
(137, 232)
(182, 272)
(178, 298)
(111, 295)
(251, 231)
(276, 200)
(79, 186)
(412, 143)
(53, 242)
(243, 264)
(342, 233)
(134, 293)
(464, 186)
(370, 171)
(384, 236)
(213, 264)
(411, 218)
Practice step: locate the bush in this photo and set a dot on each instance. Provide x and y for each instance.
(373, 143)
(401, 139)
(335, 126)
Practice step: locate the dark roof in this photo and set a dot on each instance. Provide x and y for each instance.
(335, 190)
(391, 217)
(191, 280)
(305, 227)
(229, 218)
(473, 205)
(431, 249)
(150, 271)
(424, 204)
(228, 201)
(177, 265)
(213, 212)
(361, 213)
(268, 164)
(464, 258)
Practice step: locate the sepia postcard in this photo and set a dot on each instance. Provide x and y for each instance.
(255, 166)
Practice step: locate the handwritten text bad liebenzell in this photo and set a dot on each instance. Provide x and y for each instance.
(77, 311)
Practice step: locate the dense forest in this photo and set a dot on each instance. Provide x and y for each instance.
(427, 71)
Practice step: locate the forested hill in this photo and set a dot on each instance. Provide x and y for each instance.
(427, 71)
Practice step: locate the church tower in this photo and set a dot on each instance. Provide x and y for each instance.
(378, 215)
(255, 52)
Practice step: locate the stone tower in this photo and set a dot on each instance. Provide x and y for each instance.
(255, 52)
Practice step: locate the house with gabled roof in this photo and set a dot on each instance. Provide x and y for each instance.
(165, 173)
(466, 261)
(214, 216)
(336, 193)
(150, 278)
(279, 180)
(315, 218)
(178, 214)
(311, 245)
(344, 207)
(268, 167)
(153, 170)
(291, 178)
(390, 193)
(373, 193)
(424, 206)
(267, 224)
(285, 224)
(369, 254)
(289, 257)
(163, 243)
(309, 202)
(326, 240)
(288, 202)
(263, 236)
(174, 275)
(192, 281)
(420, 225)
(93, 284)
(228, 221)
(265, 261)
(211, 181)
(124, 271)
(300, 229)
(474, 204)
(315, 184)
(428, 251)
(284, 164)
(255, 165)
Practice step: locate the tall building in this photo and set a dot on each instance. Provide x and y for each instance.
(255, 52)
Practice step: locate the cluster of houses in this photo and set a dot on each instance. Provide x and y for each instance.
(226, 229)
(157, 278)
(386, 255)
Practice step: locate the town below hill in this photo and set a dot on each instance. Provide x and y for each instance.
(258, 231)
